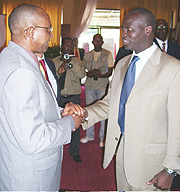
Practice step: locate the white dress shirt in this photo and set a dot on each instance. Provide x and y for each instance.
(144, 57)
(161, 42)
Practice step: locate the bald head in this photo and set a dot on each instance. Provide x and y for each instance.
(23, 16)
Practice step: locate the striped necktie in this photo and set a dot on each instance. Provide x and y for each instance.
(163, 47)
(44, 72)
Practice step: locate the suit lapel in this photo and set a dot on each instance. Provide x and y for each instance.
(36, 69)
(124, 68)
(156, 42)
(33, 65)
(147, 73)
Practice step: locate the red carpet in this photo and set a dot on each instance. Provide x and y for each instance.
(89, 174)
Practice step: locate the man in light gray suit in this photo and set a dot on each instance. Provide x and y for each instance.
(32, 128)
(145, 129)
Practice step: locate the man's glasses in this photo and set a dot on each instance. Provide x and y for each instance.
(49, 29)
(161, 27)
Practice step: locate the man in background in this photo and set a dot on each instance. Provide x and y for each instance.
(99, 65)
(33, 128)
(142, 107)
(70, 70)
(163, 43)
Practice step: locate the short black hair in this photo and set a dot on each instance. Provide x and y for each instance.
(150, 18)
(65, 39)
(163, 21)
(99, 35)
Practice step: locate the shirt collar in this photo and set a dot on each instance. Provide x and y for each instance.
(161, 42)
(40, 58)
(146, 54)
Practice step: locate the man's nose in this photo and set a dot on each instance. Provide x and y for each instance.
(124, 33)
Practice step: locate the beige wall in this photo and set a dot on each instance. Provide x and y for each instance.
(108, 4)
(67, 11)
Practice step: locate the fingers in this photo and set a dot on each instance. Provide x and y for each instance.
(61, 70)
(73, 109)
(153, 181)
(77, 121)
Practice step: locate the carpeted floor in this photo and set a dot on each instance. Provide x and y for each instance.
(89, 174)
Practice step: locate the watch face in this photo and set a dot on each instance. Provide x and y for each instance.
(171, 172)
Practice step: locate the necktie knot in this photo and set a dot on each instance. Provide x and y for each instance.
(43, 64)
(134, 59)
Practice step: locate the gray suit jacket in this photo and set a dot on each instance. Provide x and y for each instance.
(32, 131)
(152, 122)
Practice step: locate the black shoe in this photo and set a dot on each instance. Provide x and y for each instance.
(77, 158)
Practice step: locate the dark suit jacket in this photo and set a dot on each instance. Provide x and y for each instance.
(173, 49)
(52, 67)
(122, 52)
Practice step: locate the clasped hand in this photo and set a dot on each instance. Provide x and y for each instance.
(77, 113)
(94, 72)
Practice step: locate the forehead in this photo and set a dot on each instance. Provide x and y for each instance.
(133, 19)
(97, 37)
(160, 22)
(68, 41)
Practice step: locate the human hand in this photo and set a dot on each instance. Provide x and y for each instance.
(162, 180)
(90, 74)
(77, 121)
(84, 115)
(73, 110)
(61, 69)
(97, 73)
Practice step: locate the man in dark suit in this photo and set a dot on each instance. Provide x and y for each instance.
(162, 42)
(122, 52)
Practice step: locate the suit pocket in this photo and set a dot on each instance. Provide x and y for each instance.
(48, 162)
(156, 149)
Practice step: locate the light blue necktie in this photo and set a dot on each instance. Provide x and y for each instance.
(128, 83)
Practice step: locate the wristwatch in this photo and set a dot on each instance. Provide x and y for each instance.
(171, 172)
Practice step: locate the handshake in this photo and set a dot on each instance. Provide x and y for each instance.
(77, 112)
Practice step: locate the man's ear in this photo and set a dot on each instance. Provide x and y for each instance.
(29, 32)
(148, 30)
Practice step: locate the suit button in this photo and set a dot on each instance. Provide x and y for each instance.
(116, 138)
